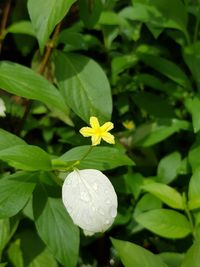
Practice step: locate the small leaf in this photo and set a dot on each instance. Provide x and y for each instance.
(168, 167)
(55, 227)
(21, 27)
(194, 191)
(134, 255)
(90, 11)
(193, 105)
(87, 95)
(165, 193)
(166, 223)
(101, 158)
(45, 15)
(26, 157)
(15, 191)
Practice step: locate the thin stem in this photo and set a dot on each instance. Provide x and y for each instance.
(87, 153)
(4, 22)
(187, 211)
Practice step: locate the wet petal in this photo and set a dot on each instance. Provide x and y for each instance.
(90, 200)
(107, 126)
(109, 138)
(96, 139)
(86, 131)
(94, 122)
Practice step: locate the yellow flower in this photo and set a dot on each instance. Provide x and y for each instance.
(98, 132)
(129, 125)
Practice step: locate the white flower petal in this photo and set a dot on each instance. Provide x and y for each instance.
(2, 108)
(90, 199)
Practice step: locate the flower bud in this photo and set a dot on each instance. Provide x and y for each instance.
(90, 200)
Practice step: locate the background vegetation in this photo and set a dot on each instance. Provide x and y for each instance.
(135, 63)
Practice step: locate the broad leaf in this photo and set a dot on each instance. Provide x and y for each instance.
(21, 27)
(165, 193)
(22, 81)
(26, 157)
(168, 167)
(15, 191)
(166, 223)
(87, 95)
(101, 158)
(8, 139)
(192, 257)
(56, 228)
(45, 15)
(172, 259)
(134, 255)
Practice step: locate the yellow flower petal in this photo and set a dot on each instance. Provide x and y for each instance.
(96, 139)
(109, 138)
(86, 131)
(107, 127)
(94, 122)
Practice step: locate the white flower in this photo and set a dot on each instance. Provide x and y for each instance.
(2, 108)
(90, 200)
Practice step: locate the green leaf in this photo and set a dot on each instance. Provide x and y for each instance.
(34, 251)
(165, 193)
(7, 229)
(167, 68)
(21, 27)
(153, 104)
(22, 81)
(101, 158)
(160, 14)
(192, 59)
(193, 156)
(194, 191)
(147, 202)
(26, 157)
(56, 228)
(15, 254)
(192, 257)
(15, 191)
(193, 105)
(153, 133)
(168, 167)
(45, 15)
(9, 140)
(172, 259)
(84, 86)
(166, 223)
(134, 255)
(90, 11)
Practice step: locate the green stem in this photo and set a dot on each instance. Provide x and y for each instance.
(87, 153)
(187, 211)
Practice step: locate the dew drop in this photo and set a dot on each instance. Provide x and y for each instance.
(69, 209)
(84, 196)
(108, 201)
(69, 182)
(101, 211)
(95, 187)
(113, 211)
(107, 221)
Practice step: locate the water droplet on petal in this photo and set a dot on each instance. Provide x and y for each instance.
(69, 209)
(101, 211)
(107, 221)
(108, 201)
(113, 211)
(69, 182)
(84, 196)
(95, 187)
